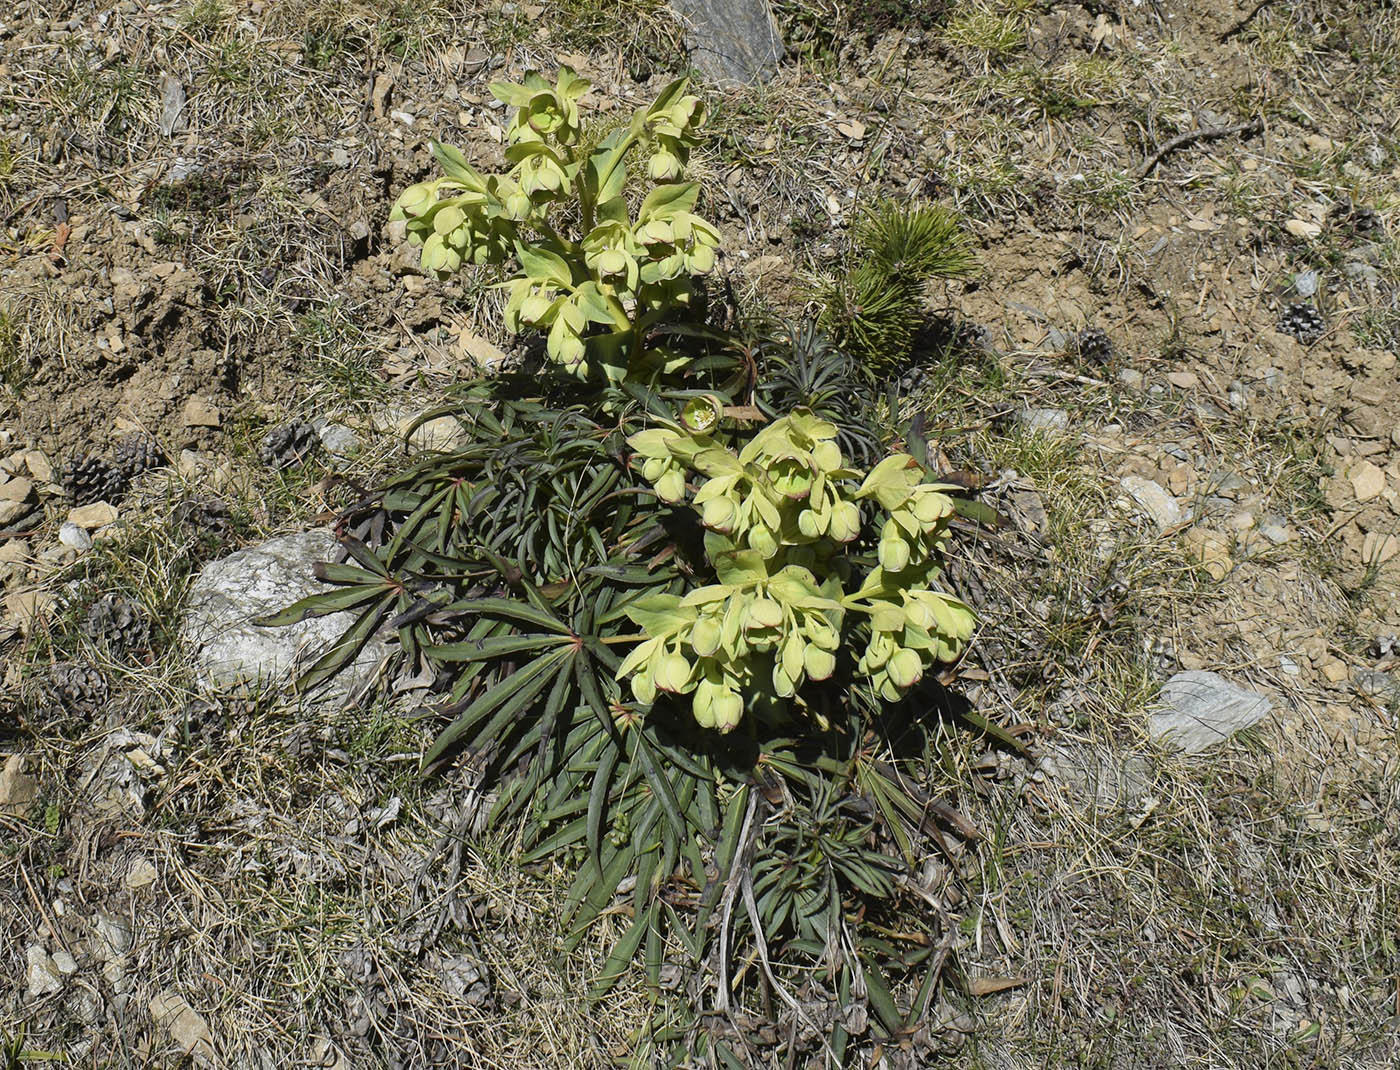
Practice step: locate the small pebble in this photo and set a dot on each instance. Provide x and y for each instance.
(70, 534)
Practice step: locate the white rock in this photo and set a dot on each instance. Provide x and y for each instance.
(339, 441)
(113, 937)
(1200, 709)
(229, 650)
(1044, 419)
(1153, 500)
(42, 977)
(71, 535)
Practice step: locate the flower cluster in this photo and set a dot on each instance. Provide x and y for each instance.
(781, 512)
(602, 286)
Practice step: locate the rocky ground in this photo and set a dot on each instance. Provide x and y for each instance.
(1186, 406)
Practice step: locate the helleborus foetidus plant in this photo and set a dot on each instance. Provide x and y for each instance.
(781, 517)
(594, 272)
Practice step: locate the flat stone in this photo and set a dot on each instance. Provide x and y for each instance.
(186, 1026)
(1367, 481)
(18, 489)
(113, 937)
(1132, 378)
(140, 874)
(1044, 419)
(28, 608)
(12, 511)
(18, 789)
(42, 977)
(442, 434)
(1377, 549)
(199, 413)
(339, 441)
(1184, 380)
(1199, 709)
(731, 40)
(1153, 501)
(1211, 551)
(91, 517)
(1101, 780)
(229, 650)
(66, 963)
(172, 106)
(1334, 670)
(38, 466)
(1276, 531)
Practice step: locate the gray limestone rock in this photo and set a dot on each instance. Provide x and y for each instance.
(230, 650)
(731, 40)
(42, 977)
(1200, 709)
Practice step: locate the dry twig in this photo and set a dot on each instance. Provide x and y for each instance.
(1249, 129)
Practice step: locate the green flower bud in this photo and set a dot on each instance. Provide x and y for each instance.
(665, 166)
(518, 206)
(728, 708)
(878, 651)
(657, 232)
(654, 468)
(845, 521)
(812, 523)
(414, 201)
(702, 705)
(821, 633)
(705, 636)
(893, 553)
(671, 486)
(763, 613)
(536, 307)
(819, 663)
(905, 668)
(613, 262)
(673, 674)
(643, 688)
(438, 257)
(791, 659)
(783, 684)
(762, 540)
(719, 514)
(700, 260)
(930, 506)
(919, 614)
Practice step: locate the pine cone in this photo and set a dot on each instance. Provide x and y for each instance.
(1303, 322)
(77, 687)
(117, 623)
(288, 445)
(137, 452)
(1094, 346)
(203, 514)
(91, 479)
(972, 335)
(912, 380)
(1363, 222)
